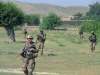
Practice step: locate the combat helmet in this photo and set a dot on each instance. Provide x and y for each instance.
(41, 30)
(29, 37)
(92, 32)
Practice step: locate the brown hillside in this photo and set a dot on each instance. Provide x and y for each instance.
(44, 9)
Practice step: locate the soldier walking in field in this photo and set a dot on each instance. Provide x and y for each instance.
(81, 33)
(25, 33)
(41, 37)
(28, 54)
(93, 40)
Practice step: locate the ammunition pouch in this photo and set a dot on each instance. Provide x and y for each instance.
(31, 55)
(35, 55)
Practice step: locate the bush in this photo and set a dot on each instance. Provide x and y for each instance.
(92, 26)
(32, 19)
(50, 22)
(17, 28)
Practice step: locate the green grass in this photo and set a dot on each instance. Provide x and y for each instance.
(9, 74)
(64, 53)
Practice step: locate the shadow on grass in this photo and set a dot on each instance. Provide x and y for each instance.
(51, 54)
(96, 52)
(21, 41)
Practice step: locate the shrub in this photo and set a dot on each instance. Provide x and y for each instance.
(17, 28)
(50, 22)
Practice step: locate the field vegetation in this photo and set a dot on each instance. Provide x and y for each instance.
(64, 53)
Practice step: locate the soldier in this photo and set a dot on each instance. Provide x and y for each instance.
(29, 56)
(93, 40)
(25, 33)
(81, 33)
(41, 37)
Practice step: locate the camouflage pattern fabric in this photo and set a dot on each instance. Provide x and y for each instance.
(29, 63)
(93, 40)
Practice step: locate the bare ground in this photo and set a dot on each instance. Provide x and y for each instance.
(19, 71)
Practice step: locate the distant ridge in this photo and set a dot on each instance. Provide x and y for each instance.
(43, 9)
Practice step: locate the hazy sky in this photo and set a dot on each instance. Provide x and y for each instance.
(63, 2)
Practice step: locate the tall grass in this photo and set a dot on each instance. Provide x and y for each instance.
(64, 53)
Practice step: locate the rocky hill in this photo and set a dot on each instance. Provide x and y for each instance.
(44, 9)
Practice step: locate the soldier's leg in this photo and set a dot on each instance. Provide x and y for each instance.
(42, 46)
(92, 46)
(31, 66)
(24, 66)
(39, 45)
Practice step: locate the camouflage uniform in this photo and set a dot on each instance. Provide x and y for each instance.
(93, 40)
(29, 59)
(41, 39)
(81, 33)
(25, 33)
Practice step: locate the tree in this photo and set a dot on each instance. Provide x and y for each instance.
(50, 22)
(94, 16)
(32, 19)
(78, 14)
(10, 16)
(94, 12)
(84, 17)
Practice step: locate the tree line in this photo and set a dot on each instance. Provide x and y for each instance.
(12, 16)
(94, 16)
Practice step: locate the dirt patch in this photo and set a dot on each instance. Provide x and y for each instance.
(30, 27)
(73, 29)
(2, 29)
(19, 71)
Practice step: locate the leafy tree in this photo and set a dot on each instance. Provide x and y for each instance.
(92, 26)
(50, 22)
(94, 12)
(10, 16)
(84, 17)
(32, 19)
(94, 16)
(78, 14)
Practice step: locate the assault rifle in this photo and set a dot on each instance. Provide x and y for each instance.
(39, 37)
(26, 50)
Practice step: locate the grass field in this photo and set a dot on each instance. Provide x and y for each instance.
(64, 53)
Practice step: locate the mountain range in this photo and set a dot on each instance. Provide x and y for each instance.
(44, 9)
